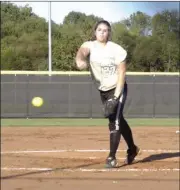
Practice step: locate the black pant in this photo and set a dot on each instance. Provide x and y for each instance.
(117, 124)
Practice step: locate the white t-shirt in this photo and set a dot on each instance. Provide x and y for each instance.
(104, 61)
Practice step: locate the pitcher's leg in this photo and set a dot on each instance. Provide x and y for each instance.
(115, 131)
(133, 150)
(127, 133)
(114, 138)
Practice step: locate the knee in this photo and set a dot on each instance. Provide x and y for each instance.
(118, 125)
(111, 126)
(114, 126)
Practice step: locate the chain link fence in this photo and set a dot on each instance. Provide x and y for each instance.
(75, 96)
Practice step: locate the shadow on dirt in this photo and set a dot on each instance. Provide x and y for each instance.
(50, 170)
(151, 158)
(155, 157)
(162, 156)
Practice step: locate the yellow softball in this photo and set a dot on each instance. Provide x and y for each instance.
(37, 101)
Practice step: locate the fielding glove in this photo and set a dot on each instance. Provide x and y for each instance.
(110, 106)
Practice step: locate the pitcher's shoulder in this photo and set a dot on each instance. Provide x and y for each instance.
(115, 45)
(89, 44)
(119, 52)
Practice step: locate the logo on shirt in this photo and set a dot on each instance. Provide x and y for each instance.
(108, 71)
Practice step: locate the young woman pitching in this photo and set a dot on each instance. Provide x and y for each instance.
(107, 63)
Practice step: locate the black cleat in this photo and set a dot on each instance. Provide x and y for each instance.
(111, 162)
(131, 154)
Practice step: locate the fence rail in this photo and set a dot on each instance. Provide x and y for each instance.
(83, 73)
(73, 94)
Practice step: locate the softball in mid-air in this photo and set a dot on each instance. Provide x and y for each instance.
(37, 101)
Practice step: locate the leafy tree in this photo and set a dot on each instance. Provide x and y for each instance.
(152, 43)
(139, 23)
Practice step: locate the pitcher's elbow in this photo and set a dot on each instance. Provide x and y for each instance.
(81, 65)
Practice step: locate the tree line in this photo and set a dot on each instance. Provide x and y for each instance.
(152, 43)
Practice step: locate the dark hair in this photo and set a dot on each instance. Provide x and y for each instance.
(96, 26)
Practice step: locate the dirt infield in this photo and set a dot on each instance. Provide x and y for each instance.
(72, 158)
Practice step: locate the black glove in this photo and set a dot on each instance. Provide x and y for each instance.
(110, 106)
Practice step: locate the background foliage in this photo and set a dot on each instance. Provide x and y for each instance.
(152, 42)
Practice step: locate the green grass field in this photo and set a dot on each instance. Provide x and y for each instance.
(166, 122)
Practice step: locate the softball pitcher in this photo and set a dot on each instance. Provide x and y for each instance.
(107, 63)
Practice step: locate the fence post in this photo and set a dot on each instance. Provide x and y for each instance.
(27, 98)
(69, 98)
(91, 101)
(15, 89)
(154, 96)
